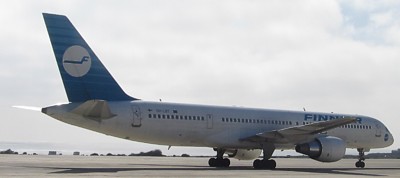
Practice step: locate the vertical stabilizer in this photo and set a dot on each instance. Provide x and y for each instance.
(84, 76)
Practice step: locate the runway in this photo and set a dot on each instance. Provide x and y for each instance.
(85, 166)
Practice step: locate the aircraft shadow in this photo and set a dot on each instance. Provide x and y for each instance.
(338, 171)
(156, 167)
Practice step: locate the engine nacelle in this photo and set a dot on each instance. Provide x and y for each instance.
(324, 149)
(244, 154)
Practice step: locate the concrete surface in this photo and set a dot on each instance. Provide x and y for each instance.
(85, 166)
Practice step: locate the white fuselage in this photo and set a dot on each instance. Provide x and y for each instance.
(214, 126)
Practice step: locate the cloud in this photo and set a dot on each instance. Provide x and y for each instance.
(372, 22)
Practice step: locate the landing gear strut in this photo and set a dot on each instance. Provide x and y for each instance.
(266, 162)
(360, 163)
(220, 161)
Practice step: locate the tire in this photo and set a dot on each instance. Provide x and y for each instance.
(212, 162)
(257, 164)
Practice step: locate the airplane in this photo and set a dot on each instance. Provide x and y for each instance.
(96, 102)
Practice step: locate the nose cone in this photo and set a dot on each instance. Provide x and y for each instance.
(389, 138)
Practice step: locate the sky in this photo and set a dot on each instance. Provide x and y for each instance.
(327, 56)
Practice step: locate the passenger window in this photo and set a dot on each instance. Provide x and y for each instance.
(150, 116)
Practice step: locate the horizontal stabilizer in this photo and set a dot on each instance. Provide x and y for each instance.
(33, 108)
(94, 109)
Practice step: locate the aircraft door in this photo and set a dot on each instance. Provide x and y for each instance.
(209, 121)
(136, 116)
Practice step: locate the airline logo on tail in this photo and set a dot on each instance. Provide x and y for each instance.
(76, 61)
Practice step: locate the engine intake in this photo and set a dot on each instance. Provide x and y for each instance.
(324, 149)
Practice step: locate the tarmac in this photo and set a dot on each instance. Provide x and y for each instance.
(125, 166)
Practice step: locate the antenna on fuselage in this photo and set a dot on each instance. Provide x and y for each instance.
(304, 109)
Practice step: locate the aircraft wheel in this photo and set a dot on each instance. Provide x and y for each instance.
(264, 164)
(360, 164)
(212, 162)
(257, 164)
(225, 162)
(271, 164)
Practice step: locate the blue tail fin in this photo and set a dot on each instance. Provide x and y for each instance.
(84, 76)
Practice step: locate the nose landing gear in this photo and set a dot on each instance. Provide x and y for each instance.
(360, 163)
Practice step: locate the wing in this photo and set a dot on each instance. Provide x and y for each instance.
(298, 133)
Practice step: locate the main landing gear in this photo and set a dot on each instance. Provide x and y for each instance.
(220, 161)
(266, 162)
(360, 163)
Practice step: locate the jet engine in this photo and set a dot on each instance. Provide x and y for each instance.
(324, 149)
(244, 154)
